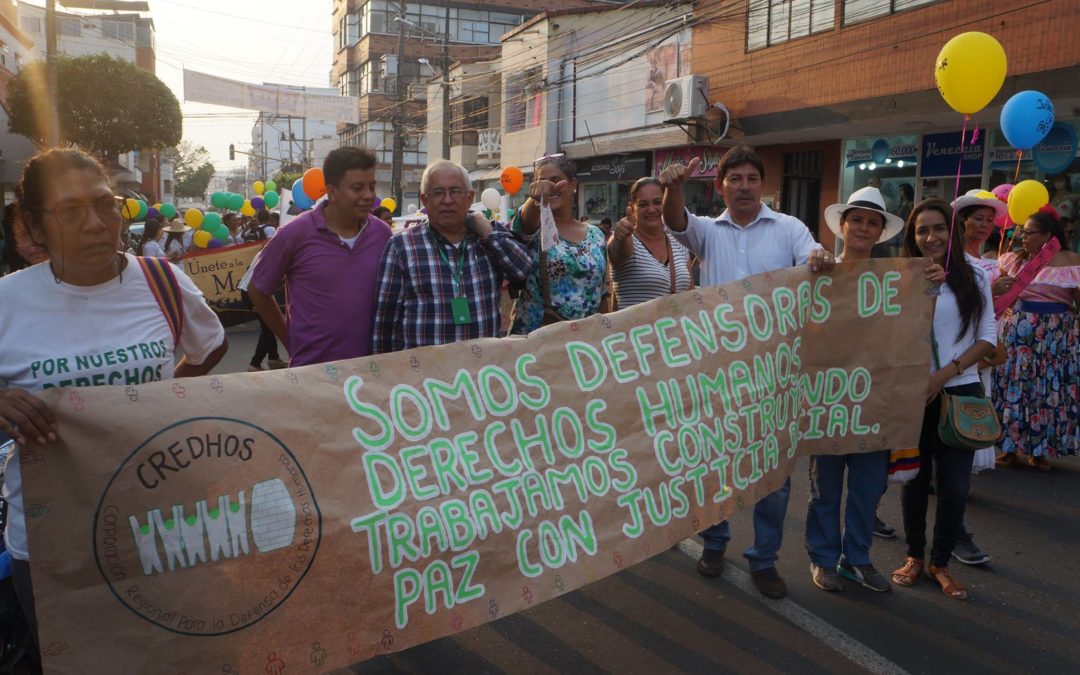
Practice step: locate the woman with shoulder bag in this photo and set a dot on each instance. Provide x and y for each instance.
(962, 333)
(569, 279)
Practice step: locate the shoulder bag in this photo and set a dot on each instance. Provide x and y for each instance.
(966, 422)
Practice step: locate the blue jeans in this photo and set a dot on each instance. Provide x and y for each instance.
(867, 477)
(769, 515)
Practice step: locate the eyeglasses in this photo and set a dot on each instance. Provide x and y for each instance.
(439, 194)
(108, 209)
(1023, 232)
(559, 157)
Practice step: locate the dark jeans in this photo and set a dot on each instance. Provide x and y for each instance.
(267, 344)
(953, 468)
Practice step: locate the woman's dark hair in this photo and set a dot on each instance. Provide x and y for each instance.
(963, 214)
(382, 213)
(959, 274)
(908, 191)
(740, 154)
(1051, 225)
(40, 169)
(560, 161)
(605, 221)
(642, 182)
(342, 160)
(171, 237)
(151, 231)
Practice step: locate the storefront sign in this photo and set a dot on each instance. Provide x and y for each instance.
(941, 152)
(1057, 151)
(709, 155)
(612, 168)
(305, 519)
(905, 152)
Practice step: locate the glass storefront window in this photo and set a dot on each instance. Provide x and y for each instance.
(889, 163)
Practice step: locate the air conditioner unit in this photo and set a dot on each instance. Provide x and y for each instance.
(686, 97)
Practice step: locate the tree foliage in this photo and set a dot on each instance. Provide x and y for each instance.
(192, 182)
(106, 105)
(186, 157)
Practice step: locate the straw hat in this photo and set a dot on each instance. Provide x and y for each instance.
(176, 226)
(980, 198)
(868, 198)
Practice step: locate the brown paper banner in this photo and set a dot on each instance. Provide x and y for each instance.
(311, 518)
(216, 272)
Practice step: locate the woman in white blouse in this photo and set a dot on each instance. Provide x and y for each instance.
(149, 244)
(646, 261)
(963, 333)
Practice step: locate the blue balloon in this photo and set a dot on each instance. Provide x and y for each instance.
(1026, 118)
(299, 197)
(879, 152)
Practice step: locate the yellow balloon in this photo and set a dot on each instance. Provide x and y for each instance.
(158, 206)
(389, 203)
(247, 209)
(969, 71)
(258, 187)
(194, 218)
(1026, 199)
(202, 238)
(986, 194)
(131, 208)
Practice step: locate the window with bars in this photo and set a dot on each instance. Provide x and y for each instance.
(864, 10)
(124, 31)
(69, 26)
(772, 22)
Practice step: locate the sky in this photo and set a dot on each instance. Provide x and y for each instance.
(288, 42)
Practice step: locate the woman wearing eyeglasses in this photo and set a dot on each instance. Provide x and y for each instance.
(87, 316)
(646, 261)
(1037, 389)
(569, 279)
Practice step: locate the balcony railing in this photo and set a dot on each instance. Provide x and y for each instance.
(489, 147)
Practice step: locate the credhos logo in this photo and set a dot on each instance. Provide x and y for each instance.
(207, 527)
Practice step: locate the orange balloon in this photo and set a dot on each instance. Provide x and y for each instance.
(314, 184)
(512, 179)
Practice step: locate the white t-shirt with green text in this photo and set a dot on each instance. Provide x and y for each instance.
(59, 335)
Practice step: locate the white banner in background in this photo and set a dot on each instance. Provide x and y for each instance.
(203, 88)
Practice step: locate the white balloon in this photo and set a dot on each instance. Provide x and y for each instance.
(491, 198)
(411, 208)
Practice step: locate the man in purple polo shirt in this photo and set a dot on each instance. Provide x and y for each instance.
(328, 259)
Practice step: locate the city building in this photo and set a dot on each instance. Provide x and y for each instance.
(122, 35)
(280, 142)
(16, 49)
(840, 94)
(367, 64)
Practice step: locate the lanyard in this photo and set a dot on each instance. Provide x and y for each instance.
(455, 275)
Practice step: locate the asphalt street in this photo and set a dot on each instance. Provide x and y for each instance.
(662, 616)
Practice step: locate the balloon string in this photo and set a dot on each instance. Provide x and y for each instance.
(956, 193)
(1019, 156)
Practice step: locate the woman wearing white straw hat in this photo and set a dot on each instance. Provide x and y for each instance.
(862, 222)
(175, 245)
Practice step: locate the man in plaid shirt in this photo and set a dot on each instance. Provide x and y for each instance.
(441, 281)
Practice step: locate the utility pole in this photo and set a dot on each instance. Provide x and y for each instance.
(446, 87)
(52, 135)
(397, 168)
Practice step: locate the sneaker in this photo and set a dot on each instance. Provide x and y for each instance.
(864, 575)
(882, 530)
(254, 369)
(276, 364)
(711, 563)
(968, 553)
(825, 578)
(769, 583)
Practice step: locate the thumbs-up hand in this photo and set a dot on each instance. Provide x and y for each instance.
(626, 226)
(677, 174)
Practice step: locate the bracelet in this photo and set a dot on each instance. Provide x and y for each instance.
(959, 370)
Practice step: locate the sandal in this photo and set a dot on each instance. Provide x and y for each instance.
(1007, 460)
(1040, 463)
(909, 573)
(951, 587)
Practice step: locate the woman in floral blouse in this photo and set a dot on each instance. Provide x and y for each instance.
(575, 284)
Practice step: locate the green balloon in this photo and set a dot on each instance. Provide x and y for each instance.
(271, 199)
(236, 202)
(270, 186)
(211, 221)
(221, 233)
(169, 211)
(220, 199)
(143, 208)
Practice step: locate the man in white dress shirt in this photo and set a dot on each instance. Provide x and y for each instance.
(748, 238)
